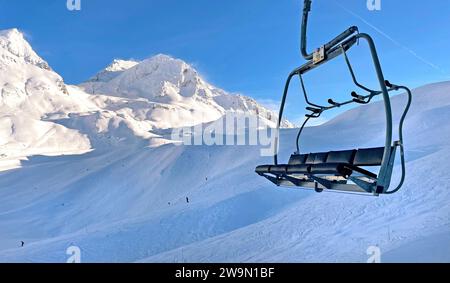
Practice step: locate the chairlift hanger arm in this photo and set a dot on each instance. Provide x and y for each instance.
(335, 41)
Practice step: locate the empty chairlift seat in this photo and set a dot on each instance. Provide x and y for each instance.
(341, 170)
(334, 163)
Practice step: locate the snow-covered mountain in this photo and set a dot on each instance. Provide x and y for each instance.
(31, 93)
(175, 93)
(40, 114)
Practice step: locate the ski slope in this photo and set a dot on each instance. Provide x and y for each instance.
(106, 186)
(114, 204)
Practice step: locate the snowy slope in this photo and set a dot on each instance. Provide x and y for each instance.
(120, 200)
(233, 214)
(40, 114)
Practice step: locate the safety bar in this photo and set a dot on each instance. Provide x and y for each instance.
(366, 100)
(352, 73)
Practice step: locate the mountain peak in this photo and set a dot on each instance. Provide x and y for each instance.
(174, 88)
(10, 33)
(163, 57)
(30, 74)
(172, 66)
(14, 47)
(121, 65)
(114, 69)
(160, 78)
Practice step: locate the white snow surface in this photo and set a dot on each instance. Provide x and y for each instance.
(129, 102)
(106, 191)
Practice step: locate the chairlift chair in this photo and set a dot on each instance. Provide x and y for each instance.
(346, 170)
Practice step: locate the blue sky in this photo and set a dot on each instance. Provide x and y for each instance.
(246, 46)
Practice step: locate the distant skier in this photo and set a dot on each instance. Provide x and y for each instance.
(22, 243)
(187, 199)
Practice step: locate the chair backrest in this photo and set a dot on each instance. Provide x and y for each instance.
(369, 157)
(360, 157)
(317, 158)
(345, 156)
(298, 159)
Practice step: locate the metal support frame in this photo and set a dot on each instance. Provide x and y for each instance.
(334, 48)
(368, 187)
(400, 134)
